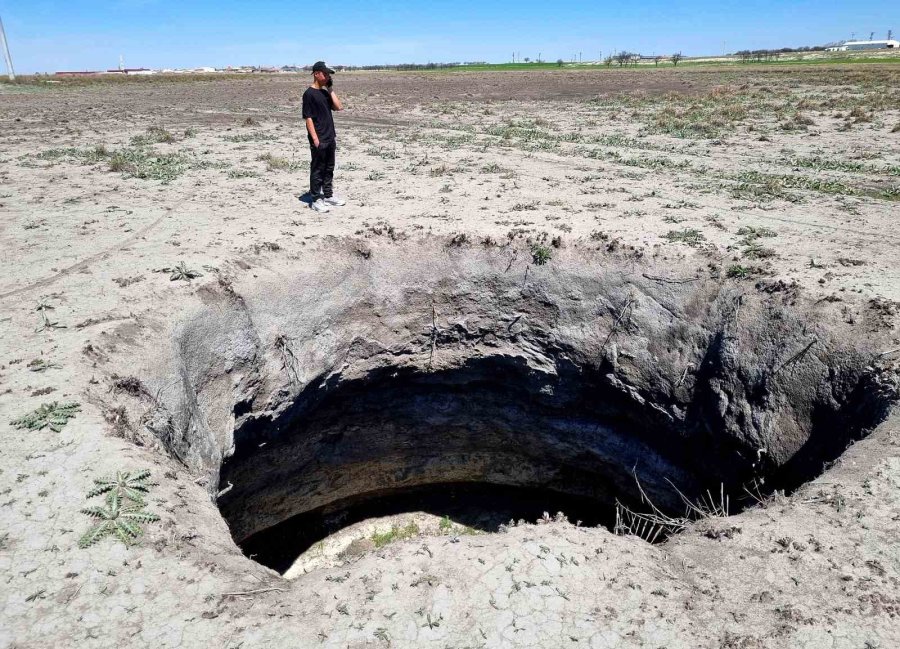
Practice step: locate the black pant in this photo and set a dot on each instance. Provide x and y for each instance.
(321, 171)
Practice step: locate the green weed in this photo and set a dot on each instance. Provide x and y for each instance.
(49, 415)
(540, 255)
(688, 236)
(116, 519)
(396, 533)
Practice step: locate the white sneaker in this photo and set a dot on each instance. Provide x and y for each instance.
(320, 206)
(334, 200)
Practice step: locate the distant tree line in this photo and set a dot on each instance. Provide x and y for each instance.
(749, 56)
(625, 57)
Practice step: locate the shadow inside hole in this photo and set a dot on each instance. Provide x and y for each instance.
(481, 506)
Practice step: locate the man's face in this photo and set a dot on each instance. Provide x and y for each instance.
(320, 77)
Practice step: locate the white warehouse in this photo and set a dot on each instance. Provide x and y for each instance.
(854, 46)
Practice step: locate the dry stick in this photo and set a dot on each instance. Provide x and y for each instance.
(247, 593)
(796, 356)
(888, 352)
(615, 326)
(687, 369)
(671, 281)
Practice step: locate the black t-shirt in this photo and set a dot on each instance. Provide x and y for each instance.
(317, 105)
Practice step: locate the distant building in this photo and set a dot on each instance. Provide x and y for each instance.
(78, 73)
(857, 46)
(130, 71)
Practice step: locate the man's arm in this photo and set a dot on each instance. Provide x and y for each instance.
(312, 131)
(335, 101)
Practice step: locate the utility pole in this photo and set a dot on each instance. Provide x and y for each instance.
(9, 65)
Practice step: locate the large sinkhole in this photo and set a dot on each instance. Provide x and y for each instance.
(483, 395)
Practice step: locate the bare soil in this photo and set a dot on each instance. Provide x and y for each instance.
(782, 183)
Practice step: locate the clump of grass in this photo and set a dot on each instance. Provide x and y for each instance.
(277, 163)
(860, 116)
(737, 271)
(40, 365)
(154, 135)
(891, 193)
(143, 163)
(396, 533)
(190, 132)
(53, 415)
(540, 254)
(274, 162)
(750, 236)
(250, 137)
(85, 156)
(242, 173)
(750, 233)
(896, 128)
(688, 236)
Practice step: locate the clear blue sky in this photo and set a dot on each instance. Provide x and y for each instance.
(47, 36)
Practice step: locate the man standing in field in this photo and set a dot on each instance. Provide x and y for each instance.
(318, 102)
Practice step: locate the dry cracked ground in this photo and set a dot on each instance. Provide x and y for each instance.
(712, 252)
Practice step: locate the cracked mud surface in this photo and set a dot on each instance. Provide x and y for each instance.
(817, 568)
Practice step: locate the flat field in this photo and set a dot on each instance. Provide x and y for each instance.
(127, 203)
(787, 172)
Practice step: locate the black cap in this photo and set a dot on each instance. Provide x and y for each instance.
(319, 66)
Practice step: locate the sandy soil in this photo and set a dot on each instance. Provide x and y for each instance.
(784, 179)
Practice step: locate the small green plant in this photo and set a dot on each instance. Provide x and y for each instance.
(751, 234)
(39, 365)
(128, 486)
(154, 135)
(396, 533)
(274, 162)
(117, 519)
(445, 525)
(689, 237)
(242, 173)
(49, 415)
(540, 254)
(250, 137)
(181, 271)
(736, 271)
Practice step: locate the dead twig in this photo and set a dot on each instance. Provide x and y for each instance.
(668, 280)
(796, 356)
(250, 593)
(618, 321)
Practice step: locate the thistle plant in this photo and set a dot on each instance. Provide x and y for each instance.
(54, 415)
(117, 519)
(125, 485)
(181, 271)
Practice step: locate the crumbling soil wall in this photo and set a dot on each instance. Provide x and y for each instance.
(394, 368)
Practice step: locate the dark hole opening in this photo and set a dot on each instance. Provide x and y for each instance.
(482, 507)
(491, 441)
